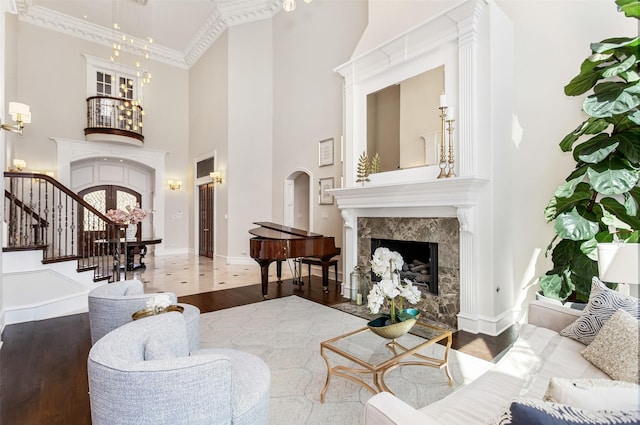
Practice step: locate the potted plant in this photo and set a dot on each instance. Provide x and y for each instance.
(600, 200)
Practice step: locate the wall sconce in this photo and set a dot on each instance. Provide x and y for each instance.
(19, 164)
(175, 185)
(216, 176)
(20, 114)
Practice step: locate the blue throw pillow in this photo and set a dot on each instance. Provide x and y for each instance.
(538, 412)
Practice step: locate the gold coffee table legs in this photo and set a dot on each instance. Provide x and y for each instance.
(398, 355)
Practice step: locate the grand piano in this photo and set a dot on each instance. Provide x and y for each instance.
(275, 242)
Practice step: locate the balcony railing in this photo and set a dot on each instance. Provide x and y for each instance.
(114, 115)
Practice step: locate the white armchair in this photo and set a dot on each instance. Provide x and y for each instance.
(113, 304)
(143, 373)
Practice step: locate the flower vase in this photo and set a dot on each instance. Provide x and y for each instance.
(130, 232)
(383, 327)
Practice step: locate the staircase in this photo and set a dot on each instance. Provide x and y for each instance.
(52, 256)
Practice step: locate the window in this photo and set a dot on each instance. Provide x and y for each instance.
(106, 78)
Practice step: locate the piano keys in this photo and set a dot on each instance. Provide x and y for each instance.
(275, 242)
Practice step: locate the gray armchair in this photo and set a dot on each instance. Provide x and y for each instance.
(113, 304)
(143, 373)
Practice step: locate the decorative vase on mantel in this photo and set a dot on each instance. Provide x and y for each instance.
(130, 232)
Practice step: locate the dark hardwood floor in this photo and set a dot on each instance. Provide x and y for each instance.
(43, 364)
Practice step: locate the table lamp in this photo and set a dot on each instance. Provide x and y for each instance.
(619, 263)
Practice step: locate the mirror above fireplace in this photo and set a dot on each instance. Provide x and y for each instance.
(403, 124)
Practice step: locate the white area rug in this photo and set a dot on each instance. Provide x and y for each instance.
(286, 333)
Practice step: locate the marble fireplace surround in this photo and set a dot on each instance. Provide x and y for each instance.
(444, 307)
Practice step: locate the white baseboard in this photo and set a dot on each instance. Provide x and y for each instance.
(64, 306)
(488, 325)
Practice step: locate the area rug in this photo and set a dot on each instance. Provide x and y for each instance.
(286, 333)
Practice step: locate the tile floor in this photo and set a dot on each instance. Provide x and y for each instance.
(192, 274)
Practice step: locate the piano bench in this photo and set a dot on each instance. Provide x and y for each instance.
(311, 261)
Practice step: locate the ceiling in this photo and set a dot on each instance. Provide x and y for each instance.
(181, 30)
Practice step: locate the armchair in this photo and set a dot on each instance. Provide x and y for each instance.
(143, 372)
(113, 304)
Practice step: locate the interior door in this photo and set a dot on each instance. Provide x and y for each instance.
(103, 198)
(206, 220)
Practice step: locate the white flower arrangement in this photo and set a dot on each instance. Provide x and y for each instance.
(159, 302)
(387, 264)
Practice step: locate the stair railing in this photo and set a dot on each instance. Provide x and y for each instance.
(43, 214)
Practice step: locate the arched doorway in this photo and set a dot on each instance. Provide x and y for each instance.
(298, 200)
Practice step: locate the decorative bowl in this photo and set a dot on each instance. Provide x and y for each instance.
(153, 311)
(380, 327)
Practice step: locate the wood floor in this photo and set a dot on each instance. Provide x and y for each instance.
(43, 365)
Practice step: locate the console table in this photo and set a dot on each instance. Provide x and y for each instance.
(121, 245)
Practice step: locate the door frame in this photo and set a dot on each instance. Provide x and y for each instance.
(197, 182)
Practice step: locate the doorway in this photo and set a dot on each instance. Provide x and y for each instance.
(104, 198)
(298, 200)
(206, 209)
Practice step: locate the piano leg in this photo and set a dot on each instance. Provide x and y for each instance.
(279, 270)
(264, 274)
(325, 274)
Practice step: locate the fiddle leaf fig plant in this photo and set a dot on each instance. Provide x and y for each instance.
(600, 200)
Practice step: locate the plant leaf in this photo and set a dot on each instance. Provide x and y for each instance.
(612, 177)
(613, 43)
(635, 117)
(559, 205)
(571, 225)
(616, 208)
(563, 252)
(631, 8)
(589, 248)
(612, 98)
(630, 205)
(556, 286)
(588, 77)
(615, 69)
(567, 189)
(595, 149)
(590, 126)
(612, 220)
(629, 144)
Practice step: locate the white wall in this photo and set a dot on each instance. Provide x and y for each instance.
(545, 61)
(250, 133)
(209, 125)
(308, 44)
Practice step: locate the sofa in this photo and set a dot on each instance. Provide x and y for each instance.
(143, 372)
(523, 375)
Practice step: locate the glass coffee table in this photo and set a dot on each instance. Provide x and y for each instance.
(371, 355)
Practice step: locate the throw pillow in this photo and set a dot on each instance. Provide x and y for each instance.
(603, 303)
(538, 412)
(615, 349)
(594, 394)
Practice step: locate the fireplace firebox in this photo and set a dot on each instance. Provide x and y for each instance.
(420, 261)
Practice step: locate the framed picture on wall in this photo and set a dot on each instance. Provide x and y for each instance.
(325, 152)
(325, 184)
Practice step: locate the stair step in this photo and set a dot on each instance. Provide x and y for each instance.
(61, 259)
(24, 248)
(87, 268)
(100, 278)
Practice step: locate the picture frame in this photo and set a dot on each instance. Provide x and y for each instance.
(325, 152)
(325, 184)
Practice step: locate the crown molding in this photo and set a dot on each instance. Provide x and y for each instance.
(225, 15)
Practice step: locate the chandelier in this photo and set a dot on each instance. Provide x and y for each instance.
(140, 47)
(290, 5)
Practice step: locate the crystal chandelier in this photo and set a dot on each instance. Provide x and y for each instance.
(142, 47)
(290, 5)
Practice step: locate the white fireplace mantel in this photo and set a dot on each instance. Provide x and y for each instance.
(478, 84)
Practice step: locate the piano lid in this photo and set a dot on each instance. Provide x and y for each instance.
(278, 231)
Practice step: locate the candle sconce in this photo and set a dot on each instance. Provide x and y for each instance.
(447, 159)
